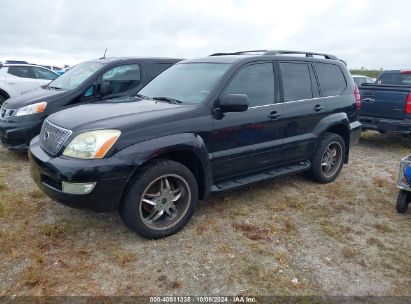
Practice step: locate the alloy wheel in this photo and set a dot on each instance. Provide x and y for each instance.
(164, 202)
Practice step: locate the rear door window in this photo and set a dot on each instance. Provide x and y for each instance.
(331, 78)
(123, 78)
(21, 71)
(296, 81)
(41, 73)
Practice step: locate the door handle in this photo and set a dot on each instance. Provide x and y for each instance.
(368, 99)
(318, 108)
(274, 115)
(12, 83)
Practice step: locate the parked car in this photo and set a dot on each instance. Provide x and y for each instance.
(360, 79)
(19, 78)
(386, 104)
(203, 126)
(21, 117)
(52, 68)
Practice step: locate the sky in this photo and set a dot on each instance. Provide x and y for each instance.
(365, 33)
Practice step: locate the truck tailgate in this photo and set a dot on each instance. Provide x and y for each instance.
(384, 102)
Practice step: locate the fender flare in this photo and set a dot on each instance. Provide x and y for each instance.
(139, 154)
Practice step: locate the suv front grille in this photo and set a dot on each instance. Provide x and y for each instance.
(6, 113)
(52, 137)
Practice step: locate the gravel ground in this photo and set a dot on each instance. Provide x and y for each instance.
(288, 236)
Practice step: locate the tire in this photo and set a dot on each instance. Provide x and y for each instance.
(318, 172)
(403, 201)
(160, 200)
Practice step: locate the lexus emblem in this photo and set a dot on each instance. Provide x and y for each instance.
(46, 136)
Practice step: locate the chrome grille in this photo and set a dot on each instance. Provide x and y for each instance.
(52, 137)
(6, 113)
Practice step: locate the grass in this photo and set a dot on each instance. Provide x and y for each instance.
(254, 232)
(36, 194)
(369, 73)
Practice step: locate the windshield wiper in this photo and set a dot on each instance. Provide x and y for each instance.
(167, 99)
(141, 96)
(56, 88)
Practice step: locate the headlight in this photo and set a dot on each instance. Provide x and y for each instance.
(94, 144)
(32, 109)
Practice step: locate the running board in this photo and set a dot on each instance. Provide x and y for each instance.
(259, 177)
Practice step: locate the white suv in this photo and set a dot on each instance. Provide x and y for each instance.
(19, 78)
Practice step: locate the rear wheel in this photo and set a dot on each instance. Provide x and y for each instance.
(328, 158)
(403, 201)
(161, 200)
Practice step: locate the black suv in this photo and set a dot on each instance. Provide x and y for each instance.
(204, 125)
(21, 117)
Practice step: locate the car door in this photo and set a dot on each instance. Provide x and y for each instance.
(123, 79)
(248, 141)
(20, 79)
(303, 109)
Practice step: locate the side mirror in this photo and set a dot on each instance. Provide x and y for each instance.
(105, 88)
(234, 103)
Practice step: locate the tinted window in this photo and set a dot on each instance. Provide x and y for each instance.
(123, 78)
(296, 81)
(331, 78)
(395, 78)
(187, 82)
(256, 81)
(21, 71)
(43, 74)
(161, 67)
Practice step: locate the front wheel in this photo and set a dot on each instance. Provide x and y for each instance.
(403, 201)
(328, 159)
(160, 200)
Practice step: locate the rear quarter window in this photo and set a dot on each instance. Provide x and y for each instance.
(331, 78)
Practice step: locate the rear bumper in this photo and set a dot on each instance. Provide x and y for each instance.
(109, 175)
(402, 126)
(17, 136)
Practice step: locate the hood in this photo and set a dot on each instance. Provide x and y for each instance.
(31, 97)
(115, 114)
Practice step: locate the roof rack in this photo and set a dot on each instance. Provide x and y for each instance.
(278, 52)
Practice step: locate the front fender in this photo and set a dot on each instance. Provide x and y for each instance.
(140, 153)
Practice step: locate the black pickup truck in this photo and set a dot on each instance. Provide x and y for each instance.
(386, 104)
(202, 126)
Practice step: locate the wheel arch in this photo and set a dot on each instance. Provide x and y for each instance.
(187, 148)
(4, 93)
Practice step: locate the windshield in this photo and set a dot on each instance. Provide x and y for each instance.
(75, 76)
(187, 82)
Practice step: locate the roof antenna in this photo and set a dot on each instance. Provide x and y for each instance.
(104, 56)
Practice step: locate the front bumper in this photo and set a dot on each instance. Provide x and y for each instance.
(111, 176)
(402, 126)
(17, 136)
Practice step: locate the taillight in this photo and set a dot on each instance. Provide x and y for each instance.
(408, 105)
(358, 97)
(405, 72)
